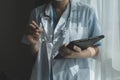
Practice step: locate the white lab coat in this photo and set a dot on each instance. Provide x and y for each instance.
(77, 22)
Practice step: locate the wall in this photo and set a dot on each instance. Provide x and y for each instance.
(15, 59)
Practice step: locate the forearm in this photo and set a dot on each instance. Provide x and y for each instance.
(87, 53)
(34, 49)
(77, 52)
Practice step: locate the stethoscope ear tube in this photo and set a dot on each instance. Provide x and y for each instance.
(49, 19)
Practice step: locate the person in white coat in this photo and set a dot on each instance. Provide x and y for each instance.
(52, 26)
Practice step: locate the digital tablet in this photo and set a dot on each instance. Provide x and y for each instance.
(83, 43)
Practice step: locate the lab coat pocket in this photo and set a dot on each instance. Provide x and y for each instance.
(83, 74)
(83, 31)
(78, 32)
(61, 70)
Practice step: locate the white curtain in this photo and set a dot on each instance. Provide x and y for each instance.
(107, 65)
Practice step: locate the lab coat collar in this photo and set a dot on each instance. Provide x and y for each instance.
(48, 9)
(63, 20)
(61, 25)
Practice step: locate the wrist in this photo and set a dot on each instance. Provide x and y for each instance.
(34, 48)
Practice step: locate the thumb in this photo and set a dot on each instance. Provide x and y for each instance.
(65, 44)
(76, 48)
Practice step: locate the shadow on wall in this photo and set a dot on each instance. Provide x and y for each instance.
(3, 76)
(16, 61)
(11, 76)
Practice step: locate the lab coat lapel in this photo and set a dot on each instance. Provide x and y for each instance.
(61, 25)
(46, 21)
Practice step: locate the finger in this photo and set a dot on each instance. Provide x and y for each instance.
(31, 29)
(61, 51)
(67, 51)
(32, 26)
(35, 24)
(76, 48)
(65, 44)
(36, 34)
(39, 30)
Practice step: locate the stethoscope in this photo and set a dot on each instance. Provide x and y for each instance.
(46, 17)
(45, 36)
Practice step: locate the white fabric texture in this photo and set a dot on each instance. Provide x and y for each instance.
(107, 66)
(70, 27)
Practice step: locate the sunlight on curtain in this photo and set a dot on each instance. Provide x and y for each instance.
(111, 45)
(116, 36)
(107, 66)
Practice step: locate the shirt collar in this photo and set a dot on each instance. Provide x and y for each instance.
(48, 7)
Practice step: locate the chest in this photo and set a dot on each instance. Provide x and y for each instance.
(65, 31)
